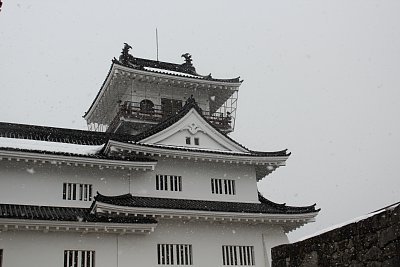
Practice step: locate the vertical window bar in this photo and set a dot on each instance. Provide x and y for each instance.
(159, 253)
(165, 182)
(182, 254)
(157, 182)
(176, 183)
(74, 192)
(83, 258)
(186, 254)
(235, 254)
(226, 186)
(241, 255)
(65, 257)
(231, 255)
(252, 255)
(233, 187)
(75, 258)
(171, 248)
(90, 192)
(64, 191)
(163, 254)
(69, 191)
(220, 185)
(171, 183)
(161, 182)
(167, 254)
(86, 191)
(223, 255)
(248, 255)
(81, 192)
(245, 258)
(178, 262)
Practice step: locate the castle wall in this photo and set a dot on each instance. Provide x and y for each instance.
(42, 183)
(374, 241)
(28, 248)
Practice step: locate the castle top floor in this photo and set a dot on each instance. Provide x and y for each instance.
(139, 93)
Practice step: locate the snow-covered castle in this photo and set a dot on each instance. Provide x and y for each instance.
(156, 181)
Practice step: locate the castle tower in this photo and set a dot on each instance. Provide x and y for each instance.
(139, 93)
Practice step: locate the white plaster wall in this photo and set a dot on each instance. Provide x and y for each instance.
(46, 249)
(42, 184)
(196, 180)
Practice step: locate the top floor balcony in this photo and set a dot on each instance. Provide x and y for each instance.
(147, 113)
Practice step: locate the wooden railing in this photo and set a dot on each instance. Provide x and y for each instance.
(155, 113)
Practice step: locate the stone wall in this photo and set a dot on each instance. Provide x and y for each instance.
(374, 241)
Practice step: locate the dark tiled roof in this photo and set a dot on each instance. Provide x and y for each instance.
(51, 213)
(126, 59)
(265, 206)
(191, 104)
(52, 134)
(92, 156)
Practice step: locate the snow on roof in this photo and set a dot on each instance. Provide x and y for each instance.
(49, 146)
(171, 72)
(354, 220)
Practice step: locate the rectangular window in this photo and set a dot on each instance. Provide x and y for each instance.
(1, 257)
(78, 258)
(196, 141)
(188, 140)
(238, 255)
(168, 182)
(76, 191)
(223, 186)
(174, 254)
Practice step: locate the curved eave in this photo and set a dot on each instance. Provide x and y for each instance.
(75, 160)
(160, 213)
(214, 156)
(235, 80)
(152, 76)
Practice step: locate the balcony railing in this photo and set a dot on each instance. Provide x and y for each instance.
(156, 113)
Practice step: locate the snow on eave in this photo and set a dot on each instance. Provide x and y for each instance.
(39, 145)
(354, 220)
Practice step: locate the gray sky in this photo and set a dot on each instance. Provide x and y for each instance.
(321, 78)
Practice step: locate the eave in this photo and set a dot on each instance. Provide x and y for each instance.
(122, 73)
(264, 164)
(288, 221)
(76, 161)
(78, 227)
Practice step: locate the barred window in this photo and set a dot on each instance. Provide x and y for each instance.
(168, 182)
(76, 191)
(223, 186)
(79, 258)
(174, 254)
(238, 255)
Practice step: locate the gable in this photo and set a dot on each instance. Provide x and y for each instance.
(193, 131)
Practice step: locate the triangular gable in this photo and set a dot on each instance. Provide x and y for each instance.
(193, 131)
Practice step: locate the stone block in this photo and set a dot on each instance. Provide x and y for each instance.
(373, 254)
(387, 235)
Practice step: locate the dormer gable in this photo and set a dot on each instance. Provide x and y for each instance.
(192, 130)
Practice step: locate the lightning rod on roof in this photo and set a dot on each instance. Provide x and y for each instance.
(157, 42)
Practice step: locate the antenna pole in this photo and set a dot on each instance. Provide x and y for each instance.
(157, 42)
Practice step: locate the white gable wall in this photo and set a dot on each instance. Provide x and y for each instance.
(193, 125)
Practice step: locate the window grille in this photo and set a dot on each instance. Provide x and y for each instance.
(174, 254)
(79, 258)
(76, 191)
(238, 255)
(168, 182)
(223, 186)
